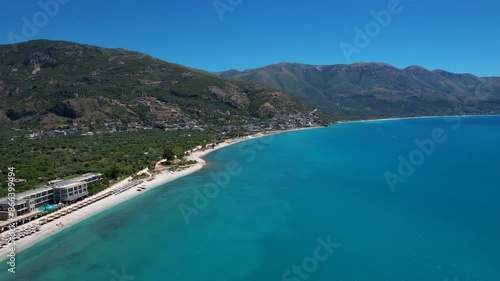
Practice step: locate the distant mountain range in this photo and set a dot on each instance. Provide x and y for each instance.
(374, 90)
(52, 83)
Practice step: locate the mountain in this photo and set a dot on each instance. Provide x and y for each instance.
(52, 83)
(375, 90)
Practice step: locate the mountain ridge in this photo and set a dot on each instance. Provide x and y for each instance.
(379, 90)
(238, 71)
(55, 83)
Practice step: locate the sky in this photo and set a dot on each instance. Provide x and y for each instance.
(215, 35)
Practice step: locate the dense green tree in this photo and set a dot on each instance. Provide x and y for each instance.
(114, 155)
(168, 153)
(113, 172)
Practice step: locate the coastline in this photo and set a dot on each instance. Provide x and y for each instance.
(50, 228)
(418, 117)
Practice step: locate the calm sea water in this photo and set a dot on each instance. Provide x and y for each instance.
(308, 205)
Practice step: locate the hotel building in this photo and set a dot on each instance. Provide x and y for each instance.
(90, 178)
(70, 191)
(57, 191)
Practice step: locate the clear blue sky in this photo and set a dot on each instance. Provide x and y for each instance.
(458, 36)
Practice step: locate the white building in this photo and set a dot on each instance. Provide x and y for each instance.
(70, 192)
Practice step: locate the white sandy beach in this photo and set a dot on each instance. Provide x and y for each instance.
(418, 117)
(79, 215)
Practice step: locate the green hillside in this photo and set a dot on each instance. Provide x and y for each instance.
(52, 83)
(376, 90)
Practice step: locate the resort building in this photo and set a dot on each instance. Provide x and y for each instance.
(24, 211)
(90, 178)
(40, 196)
(70, 191)
(21, 207)
(56, 191)
(27, 201)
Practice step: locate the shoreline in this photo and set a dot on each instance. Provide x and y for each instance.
(418, 117)
(50, 228)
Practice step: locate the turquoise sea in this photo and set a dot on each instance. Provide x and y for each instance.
(307, 205)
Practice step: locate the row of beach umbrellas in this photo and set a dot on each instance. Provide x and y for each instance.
(73, 208)
(26, 231)
(127, 187)
(18, 234)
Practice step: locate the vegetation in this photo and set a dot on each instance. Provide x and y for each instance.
(114, 155)
(376, 90)
(168, 154)
(96, 188)
(53, 83)
(133, 109)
